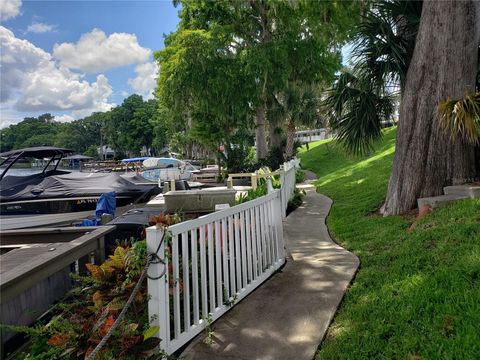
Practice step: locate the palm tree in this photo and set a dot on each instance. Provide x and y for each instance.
(364, 96)
(403, 49)
(461, 117)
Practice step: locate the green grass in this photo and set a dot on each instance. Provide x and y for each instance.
(417, 293)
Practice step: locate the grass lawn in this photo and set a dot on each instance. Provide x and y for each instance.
(417, 293)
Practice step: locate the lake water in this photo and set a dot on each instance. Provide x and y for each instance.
(22, 172)
(26, 171)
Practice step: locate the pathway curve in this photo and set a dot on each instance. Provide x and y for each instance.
(287, 317)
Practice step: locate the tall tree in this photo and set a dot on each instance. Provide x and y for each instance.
(430, 58)
(30, 132)
(266, 40)
(129, 126)
(444, 65)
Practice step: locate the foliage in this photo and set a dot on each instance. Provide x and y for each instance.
(126, 128)
(461, 117)
(89, 311)
(276, 155)
(364, 96)
(273, 159)
(91, 151)
(416, 293)
(30, 132)
(229, 58)
(299, 176)
(357, 110)
(296, 200)
(252, 194)
(239, 155)
(130, 126)
(262, 188)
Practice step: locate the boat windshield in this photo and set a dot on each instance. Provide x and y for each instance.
(24, 166)
(21, 168)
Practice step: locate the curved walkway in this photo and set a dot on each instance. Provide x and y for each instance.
(287, 317)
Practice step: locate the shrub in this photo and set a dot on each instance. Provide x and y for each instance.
(88, 312)
(299, 176)
(295, 201)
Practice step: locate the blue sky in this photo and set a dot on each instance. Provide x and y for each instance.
(71, 58)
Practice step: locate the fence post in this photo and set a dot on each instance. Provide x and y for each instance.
(279, 214)
(283, 192)
(158, 289)
(254, 181)
(269, 185)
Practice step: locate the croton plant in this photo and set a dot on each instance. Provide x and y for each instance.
(89, 310)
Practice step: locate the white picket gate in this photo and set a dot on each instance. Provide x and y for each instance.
(214, 261)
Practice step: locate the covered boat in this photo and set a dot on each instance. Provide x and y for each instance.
(166, 169)
(54, 191)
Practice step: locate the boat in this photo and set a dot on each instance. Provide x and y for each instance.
(166, 169)
(58, 195)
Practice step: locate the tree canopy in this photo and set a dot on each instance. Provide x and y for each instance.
(127, 128)
(229, 60)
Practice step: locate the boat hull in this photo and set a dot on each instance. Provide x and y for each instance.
(58, 205)
(166, 174)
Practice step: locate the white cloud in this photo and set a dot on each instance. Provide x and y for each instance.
(9, 9)
(8, 116)
(34, 82)
(19, 57)
(64, 118)
(41, 28)
(96, 52)
(146, 80)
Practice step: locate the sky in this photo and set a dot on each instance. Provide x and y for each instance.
(71, 58)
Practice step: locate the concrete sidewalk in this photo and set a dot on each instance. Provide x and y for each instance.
(287, 317)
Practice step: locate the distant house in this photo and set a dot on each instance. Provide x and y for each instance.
(106, 152)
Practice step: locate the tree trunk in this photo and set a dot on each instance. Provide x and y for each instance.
(290, 139)
(443, 66)
(260, 139)
(274, 136)
(260, 9)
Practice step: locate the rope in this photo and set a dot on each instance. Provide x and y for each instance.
(152, 258)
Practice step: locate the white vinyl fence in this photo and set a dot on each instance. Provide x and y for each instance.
(214, 261)
(287, 179)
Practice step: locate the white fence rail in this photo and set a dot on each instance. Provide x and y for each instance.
(214, 261)
(287, 179)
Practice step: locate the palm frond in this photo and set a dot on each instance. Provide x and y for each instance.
(386, 39)
(355, 111)
(461, 117)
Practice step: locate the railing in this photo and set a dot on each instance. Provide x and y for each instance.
(306, 136)
(214, 261)
(287, 179)
(253, 177)
(48, 250)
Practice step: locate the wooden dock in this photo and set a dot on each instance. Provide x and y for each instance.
(35, 268)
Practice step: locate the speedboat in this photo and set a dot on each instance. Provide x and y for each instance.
(166, 169)
(56, 194)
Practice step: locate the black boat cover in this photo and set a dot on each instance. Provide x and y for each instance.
(66, 185)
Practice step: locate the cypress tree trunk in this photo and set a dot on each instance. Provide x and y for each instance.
(443, 66)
